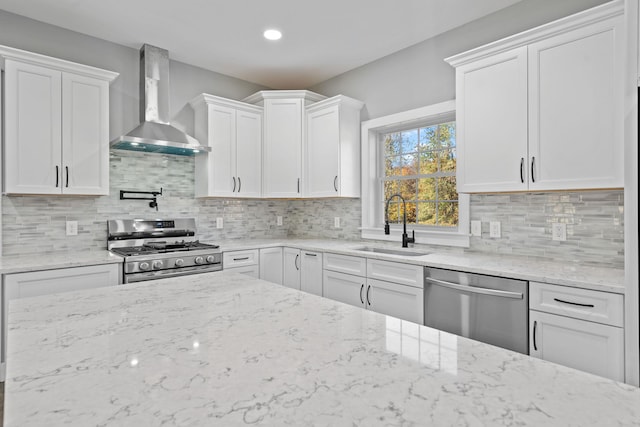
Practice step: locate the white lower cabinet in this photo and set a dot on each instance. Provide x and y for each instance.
(393, 299)
(271, 265)
(588, 346)
(302, 270)
(346, 288)
(401, 295)
(37, 283)
(242, 262)
(291, 268)
(558, 331)
(311, 272)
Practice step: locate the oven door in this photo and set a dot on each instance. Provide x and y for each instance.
(163, 274)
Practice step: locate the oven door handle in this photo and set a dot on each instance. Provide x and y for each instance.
(475, 290)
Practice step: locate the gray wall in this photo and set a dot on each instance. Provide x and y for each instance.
(418, 76)
(414, 77)
(186, 81)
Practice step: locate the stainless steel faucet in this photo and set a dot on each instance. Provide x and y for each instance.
(405, 237)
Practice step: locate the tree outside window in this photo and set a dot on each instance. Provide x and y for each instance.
(420, 165)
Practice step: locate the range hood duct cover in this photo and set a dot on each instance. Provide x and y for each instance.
(155, 134)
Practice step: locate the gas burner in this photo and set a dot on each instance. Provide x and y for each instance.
(160, 248)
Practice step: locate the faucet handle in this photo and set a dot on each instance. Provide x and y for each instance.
(386, 227)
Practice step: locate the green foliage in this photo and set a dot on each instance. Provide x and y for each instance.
(420, 165)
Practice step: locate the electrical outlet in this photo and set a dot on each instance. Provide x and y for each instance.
(72, 228)
(559, 231)
(218, 222)
(279, 220)
(336, 222)
(494, 229)
(476, 228)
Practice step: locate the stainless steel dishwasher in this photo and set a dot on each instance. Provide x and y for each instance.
(490, 309)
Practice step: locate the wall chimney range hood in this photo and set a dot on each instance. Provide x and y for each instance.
(155, 134)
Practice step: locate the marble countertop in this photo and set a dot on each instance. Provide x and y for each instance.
(52, 260)
(226, 349)
(517, 267)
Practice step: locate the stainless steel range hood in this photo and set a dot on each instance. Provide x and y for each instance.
(155, 134)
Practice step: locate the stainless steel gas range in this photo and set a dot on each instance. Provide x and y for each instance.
(159, 248)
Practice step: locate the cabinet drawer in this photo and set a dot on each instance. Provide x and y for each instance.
(345, 264)
(595, 306)
(249, 270)
(395, 272)
(239, 258)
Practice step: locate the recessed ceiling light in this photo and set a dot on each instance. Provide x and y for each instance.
(272, 35)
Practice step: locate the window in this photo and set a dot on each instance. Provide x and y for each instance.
(413, 154)
(420, 165)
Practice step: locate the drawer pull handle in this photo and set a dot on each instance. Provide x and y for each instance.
(574, 303)
(368, 289)
(241, 259)
(308, 254)
(295, 262)
(535, 326)
(361, 289)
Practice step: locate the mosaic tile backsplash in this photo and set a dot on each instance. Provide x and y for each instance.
(33, 224)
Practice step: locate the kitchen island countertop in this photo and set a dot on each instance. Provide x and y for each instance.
(226, 349)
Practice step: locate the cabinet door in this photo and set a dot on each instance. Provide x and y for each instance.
(403, 302)
(36, 283)
(33, 135)
(222, 158)
(491, 117)
(291, 268)
(249, 154)
(588, 346)
(282, 156)
(271, 265)
(576, 111)
(322, 152)
(345, 288)
(311, 272)
(85, 135)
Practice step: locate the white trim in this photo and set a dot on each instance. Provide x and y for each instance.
(371, 220)
(563, 25)
(59, 64)
(631, 249)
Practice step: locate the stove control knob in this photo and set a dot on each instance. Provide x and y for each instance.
(143, 266)
(179, 262)
(211, 259)
(157, 264)
(199, 260)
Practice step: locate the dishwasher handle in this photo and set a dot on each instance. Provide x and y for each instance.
(475, 290)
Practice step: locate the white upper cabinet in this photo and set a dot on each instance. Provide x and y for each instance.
(332, 148)
(233, 130)
(491, 119)
(56, 125)
(284, 130)
(542, 110)
(575, 116)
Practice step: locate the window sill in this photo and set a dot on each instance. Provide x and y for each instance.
(423, 237)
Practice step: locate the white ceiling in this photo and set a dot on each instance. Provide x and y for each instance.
(321, 39)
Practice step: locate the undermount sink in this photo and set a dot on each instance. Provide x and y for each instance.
(389, 251)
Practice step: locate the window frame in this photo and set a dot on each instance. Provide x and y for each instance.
(372, 203)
